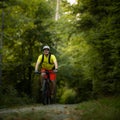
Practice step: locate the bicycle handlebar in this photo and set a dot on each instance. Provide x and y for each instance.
(38, 72)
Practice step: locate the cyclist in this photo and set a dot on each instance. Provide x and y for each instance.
(46, 66)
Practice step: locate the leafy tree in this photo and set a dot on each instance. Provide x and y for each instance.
(26, 29)
(99, 21)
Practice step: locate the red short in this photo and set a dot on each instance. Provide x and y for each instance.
(51, 74)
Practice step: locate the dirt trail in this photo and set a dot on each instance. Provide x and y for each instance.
(54, 112)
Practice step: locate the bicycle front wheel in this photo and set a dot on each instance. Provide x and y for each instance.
(46, 95)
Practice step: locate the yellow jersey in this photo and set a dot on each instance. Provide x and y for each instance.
(45, 64)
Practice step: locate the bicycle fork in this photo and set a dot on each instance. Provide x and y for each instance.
(46, 95)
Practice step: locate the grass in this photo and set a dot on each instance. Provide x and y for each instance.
(102, 109)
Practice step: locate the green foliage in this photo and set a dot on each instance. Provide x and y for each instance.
(68, 96)
(90, 52)
(36, 88)
(101, 109)
(9, 97)
(99, 21)
(23, 37)
(86, 37)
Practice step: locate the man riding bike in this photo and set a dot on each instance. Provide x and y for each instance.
(48, 63)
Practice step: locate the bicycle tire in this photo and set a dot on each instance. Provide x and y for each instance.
(46, 95)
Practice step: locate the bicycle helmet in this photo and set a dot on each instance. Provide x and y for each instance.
(46, 47)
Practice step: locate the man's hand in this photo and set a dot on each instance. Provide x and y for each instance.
(36, 72)
(55, 70)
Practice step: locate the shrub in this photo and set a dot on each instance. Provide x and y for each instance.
(68, 96)
(9, 97)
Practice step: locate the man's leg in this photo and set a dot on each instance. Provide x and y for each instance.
(53, 86)
(53, 82)
(42, 78)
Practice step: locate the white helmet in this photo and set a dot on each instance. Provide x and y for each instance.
(46, 47)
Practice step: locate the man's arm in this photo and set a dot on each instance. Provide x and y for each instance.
(56, 64)
(38, 63)
(55, 61)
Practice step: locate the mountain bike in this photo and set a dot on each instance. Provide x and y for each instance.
(46, 90)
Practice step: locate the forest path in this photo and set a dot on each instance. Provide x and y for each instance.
(52, 112)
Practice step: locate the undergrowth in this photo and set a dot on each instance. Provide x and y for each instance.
(102, 109)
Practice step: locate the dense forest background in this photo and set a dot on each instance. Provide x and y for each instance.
(85, 40)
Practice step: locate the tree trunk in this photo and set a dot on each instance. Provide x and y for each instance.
(57, 10)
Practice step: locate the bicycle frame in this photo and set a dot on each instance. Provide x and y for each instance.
(46, 89)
